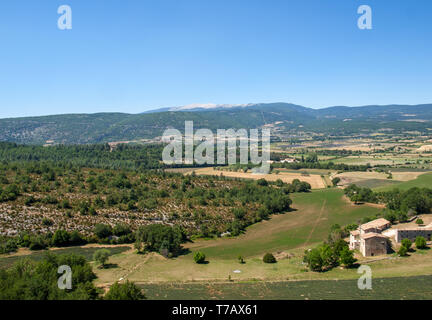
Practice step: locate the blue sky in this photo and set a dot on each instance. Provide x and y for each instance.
(133, 56)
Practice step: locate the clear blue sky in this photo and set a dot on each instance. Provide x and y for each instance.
(132, 56)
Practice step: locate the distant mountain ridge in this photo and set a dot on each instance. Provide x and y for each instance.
(285, 117)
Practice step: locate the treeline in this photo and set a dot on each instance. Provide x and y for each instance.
(123, 156)
(400, 205)
(31, 280)
(321, 165)
(154, 237)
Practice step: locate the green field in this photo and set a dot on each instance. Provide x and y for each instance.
(314, 214)
(382, 289)
(422, 181)
(306, 226)
(7, 261)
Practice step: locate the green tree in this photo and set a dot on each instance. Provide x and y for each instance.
(61, 238)
(101, 256)
(124, 291)
(406, 243)
(347, 257)
(420, 242)
(153, 237)
(402, 251)
(103, 231)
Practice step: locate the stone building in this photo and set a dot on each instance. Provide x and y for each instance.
(373, 244)
(413, 233)
(377, 226)
(368, 238)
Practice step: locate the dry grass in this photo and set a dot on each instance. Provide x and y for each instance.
(315, 181)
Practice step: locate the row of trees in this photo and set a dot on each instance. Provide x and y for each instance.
(329, 255)
(400, 204)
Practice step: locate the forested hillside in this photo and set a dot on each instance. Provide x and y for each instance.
(109, 127)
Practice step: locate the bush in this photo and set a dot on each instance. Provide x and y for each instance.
(269, 258)
(124, 291)
(37, 243)
(102, 231)
(402, 251)
(121, 230)
(241, 260)
(8, 246)
(419, 221)
(47, 222)
(335, 181)
(420, 242)
(199, 257)
(406, 243)
(61, 238)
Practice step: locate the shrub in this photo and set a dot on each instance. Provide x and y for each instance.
(37, 243)
(406, 243)
(199, 257)
(102, 231)
(335, 181)
(269, 258)
(419, 221)
(402, 251)
(47, 222)
(241, 260)
(420, 242)
(60, 238)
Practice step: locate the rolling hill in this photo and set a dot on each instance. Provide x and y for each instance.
(108, 127)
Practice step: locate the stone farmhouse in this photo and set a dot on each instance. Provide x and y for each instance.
(370, 240)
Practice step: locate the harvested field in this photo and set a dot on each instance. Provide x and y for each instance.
(315, 181)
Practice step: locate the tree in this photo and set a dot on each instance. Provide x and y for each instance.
(199, 257)
(155, 236)
(103, 231)
(420, 242)
(101, 256)
(121, 230)
(61, 238)
(269, 258)
(347, 257)
(241, 260)
(124, 291)
(335, 181)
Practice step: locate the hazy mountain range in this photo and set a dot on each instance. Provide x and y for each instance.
(283, 117)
